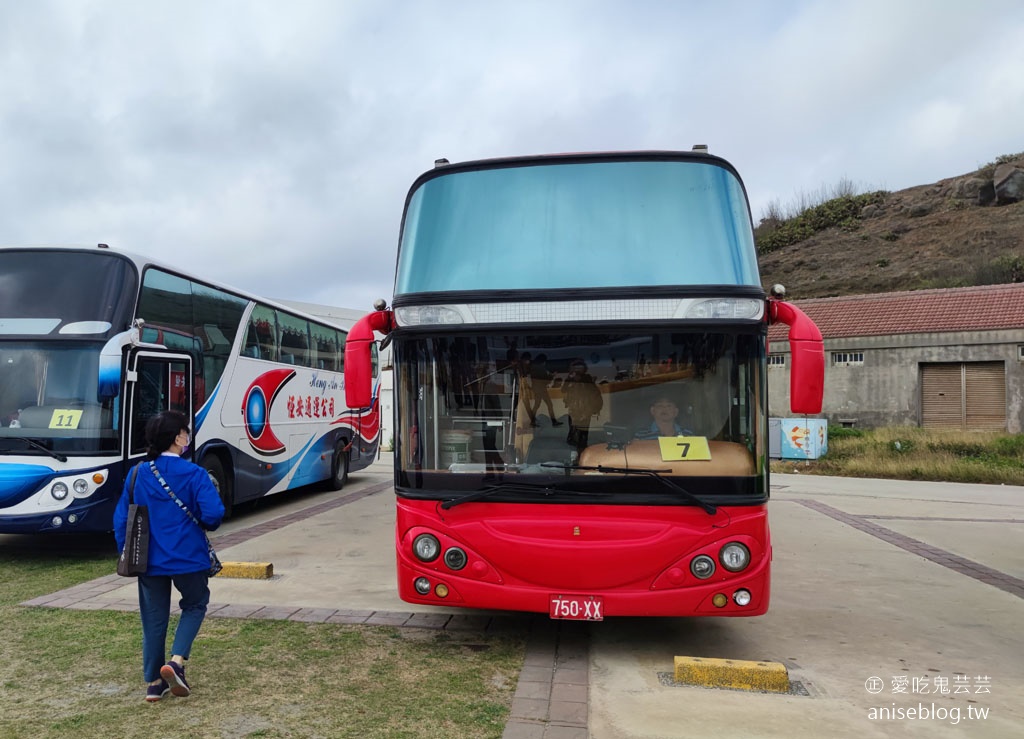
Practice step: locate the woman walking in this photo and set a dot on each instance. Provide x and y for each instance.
(178, 552)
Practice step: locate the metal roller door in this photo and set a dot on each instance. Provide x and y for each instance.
(968, 395)
(985, 396)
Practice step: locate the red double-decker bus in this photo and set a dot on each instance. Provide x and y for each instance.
(579, 349)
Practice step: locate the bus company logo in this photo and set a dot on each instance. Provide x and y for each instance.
(256, 405)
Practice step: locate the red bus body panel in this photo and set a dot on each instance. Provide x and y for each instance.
(637, 558)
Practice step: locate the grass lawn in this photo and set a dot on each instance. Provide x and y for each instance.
(78, 673)
(910, 453)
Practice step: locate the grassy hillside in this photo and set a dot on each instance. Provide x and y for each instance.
(928, 236)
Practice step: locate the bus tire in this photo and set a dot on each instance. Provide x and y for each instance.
(339, 467)
(215, 469)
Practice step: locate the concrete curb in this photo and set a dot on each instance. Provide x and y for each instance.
(247, 570)
(706, 672)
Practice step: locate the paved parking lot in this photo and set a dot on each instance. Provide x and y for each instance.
(896, 606)
(887, 597)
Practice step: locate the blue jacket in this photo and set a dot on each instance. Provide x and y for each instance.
(176, 545)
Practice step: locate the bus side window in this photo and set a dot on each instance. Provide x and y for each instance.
(252, 342)
(293, 336)
(261, 334)
(325, 340)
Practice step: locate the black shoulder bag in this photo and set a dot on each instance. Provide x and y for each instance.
(135, 556)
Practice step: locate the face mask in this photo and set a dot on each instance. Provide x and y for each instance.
(184, 450)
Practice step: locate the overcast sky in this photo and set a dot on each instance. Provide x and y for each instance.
(271, 144)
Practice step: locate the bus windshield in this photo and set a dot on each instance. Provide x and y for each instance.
(64, 293)
(575, 412)
(48, 394)
(559, 224)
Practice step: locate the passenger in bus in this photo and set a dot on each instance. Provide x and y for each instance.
(664, 420)
(583, 401)
(178, 552)
(536, 377)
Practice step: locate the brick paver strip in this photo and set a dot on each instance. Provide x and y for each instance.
(234, 611)
(388, 618)
(312, 615)
(276, 613)
(551, 700)
(428, 620)
(981, 573)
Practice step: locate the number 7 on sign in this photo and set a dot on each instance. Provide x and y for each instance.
(684, 448)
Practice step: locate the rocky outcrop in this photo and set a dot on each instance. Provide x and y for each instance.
(1008, 181)
(1004, 186)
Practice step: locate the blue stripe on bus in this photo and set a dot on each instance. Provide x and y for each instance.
(19, 481)
(201, 415)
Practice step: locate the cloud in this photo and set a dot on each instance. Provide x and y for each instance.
(271, 146)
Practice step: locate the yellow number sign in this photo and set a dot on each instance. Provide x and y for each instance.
(65, 418)
(684, 449)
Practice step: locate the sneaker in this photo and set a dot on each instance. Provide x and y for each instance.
(158, 691)
(174, 674)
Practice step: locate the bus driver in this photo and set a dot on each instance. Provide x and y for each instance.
(664, 415)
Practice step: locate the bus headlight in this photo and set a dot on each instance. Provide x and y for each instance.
(81, 486)
(427, 315)
(741, 597)
(734, 556)
(702, 567)
(426, 547)
(59, 491)
(726, 308)
(422, 585)
(455, 558)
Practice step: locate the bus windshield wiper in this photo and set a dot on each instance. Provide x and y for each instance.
(513, 487)
(41, 447)
(656, 474)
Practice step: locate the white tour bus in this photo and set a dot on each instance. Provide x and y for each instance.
(94, 341)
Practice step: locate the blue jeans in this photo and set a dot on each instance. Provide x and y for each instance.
(155, 611)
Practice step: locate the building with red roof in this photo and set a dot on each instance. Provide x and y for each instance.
(947, 358)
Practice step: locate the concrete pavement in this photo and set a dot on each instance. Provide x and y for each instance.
(916, 589)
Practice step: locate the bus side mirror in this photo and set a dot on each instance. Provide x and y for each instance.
(807, 351)
(359, 357)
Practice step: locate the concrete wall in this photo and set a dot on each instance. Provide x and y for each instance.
(885, 390)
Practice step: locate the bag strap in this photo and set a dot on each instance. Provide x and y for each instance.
(131, 485)
(166, 487)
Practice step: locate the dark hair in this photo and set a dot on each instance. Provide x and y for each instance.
(161, 431)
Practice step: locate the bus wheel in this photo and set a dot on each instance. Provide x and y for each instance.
(215, 469)
(339, 467)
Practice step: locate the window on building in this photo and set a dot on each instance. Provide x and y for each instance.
(776, 360)
(847, 359)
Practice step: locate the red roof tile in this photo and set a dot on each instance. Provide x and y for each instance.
(920, 311)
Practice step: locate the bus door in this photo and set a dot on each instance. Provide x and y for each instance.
(155, 382)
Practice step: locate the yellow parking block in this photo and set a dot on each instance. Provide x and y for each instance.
(247, 570)
(731, 673)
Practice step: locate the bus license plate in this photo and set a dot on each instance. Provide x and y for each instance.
(577, 607)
